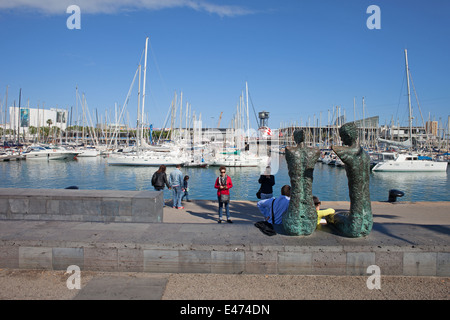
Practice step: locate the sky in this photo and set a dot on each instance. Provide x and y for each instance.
(300, 58)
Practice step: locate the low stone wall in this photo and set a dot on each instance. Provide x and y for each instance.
(81, 205)
(218, 249)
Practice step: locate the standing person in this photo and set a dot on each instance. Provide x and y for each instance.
(186, 189)
(176, 182)
(159, 179)
(223, 185)
(267, 181)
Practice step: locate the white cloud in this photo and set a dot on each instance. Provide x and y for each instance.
(115, 6)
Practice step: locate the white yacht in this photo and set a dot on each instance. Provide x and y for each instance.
(145, 159)
(49, 153)
(88, 152)
(240, 160)
(401, 162)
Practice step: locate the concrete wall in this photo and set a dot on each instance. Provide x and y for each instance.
(313, 261)
(215, 248)
(81, 205)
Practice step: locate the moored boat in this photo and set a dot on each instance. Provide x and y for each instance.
(36, 152)
(402, 162)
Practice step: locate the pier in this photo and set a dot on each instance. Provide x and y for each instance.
(408, 239)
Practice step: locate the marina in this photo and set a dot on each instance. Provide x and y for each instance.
(330, 181)
(347, 104)
(112, 155)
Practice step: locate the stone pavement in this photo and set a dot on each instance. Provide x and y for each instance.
(408, 239)
(21, 284)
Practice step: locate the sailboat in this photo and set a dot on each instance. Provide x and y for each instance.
(409, 162)
(142, 157)
(240, 156)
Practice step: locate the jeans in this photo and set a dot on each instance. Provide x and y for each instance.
(266, 196)
(227, 209)
(186, 194)
(176, 196)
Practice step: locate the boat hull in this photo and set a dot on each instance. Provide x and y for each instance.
(51, 156)
(142, 161)
(239, 162)
(411, 166)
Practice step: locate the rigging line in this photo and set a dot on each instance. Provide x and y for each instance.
(400, 96)
(417, 98)
(164, 126)
(142, 56)
(124, 105)
(159, 73)
(254, 112)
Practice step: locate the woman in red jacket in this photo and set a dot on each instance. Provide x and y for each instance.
(223, 185)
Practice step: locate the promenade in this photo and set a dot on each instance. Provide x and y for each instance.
(408, 241)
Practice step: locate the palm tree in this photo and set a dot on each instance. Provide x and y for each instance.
(49, 122)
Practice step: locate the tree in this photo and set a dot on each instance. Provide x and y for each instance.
(32, 130)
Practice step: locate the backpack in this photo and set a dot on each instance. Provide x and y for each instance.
(267, 227)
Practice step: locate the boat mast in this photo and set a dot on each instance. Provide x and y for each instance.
(409, 97)
(138, 130)
(248, 120)
(143, 90)
(18, 128)
(6, 110)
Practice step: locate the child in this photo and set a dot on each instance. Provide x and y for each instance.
(321, 214)
(186, 189)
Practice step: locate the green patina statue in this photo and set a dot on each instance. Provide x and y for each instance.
(301, 216)
(358, 222)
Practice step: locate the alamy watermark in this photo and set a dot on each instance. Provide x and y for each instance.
(374, 281)
(374, 21)
(74, 20)
(262, 149)
(74, 281)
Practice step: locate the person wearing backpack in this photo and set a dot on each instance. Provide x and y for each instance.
(159, 180)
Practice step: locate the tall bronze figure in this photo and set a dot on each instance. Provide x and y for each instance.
(358, 222)
(301, 216)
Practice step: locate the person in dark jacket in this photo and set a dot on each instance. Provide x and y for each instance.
(159, 179)
(186, 189)
(267, 181)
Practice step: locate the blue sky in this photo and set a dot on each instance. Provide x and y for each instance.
(300, 58)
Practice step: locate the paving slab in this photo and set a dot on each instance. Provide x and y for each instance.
(123, 288)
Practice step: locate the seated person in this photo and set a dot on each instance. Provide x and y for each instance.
(321, 213)
(280, 205)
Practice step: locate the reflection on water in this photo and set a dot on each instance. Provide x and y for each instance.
(330, 183)
(417, 186)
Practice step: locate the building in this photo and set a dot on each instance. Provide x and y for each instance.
(35, 117)
(431, 127)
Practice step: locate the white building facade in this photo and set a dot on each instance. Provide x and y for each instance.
(35, 117)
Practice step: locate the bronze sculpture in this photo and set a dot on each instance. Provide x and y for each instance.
(358, 222)
(301, 216)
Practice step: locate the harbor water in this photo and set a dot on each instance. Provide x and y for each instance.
(330, 182)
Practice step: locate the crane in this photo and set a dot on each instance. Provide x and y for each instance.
(220, 118)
